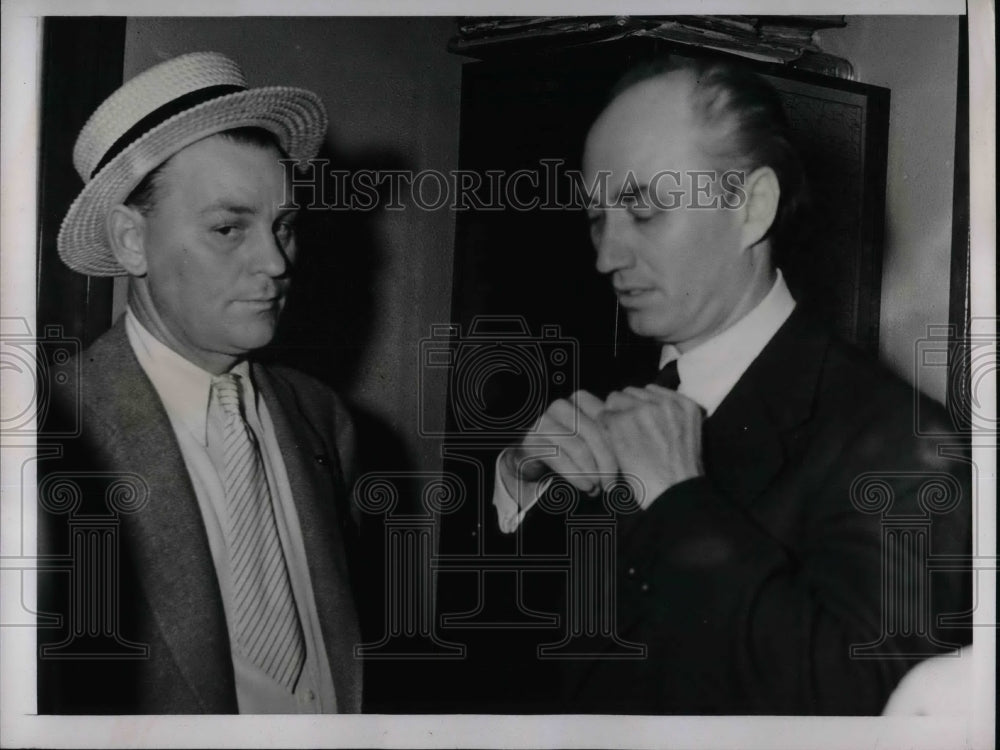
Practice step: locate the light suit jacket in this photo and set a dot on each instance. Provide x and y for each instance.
(168, 594)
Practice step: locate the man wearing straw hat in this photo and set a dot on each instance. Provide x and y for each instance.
(233, 577)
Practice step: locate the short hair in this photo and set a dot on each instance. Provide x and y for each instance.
(745, 126)
(143, 196)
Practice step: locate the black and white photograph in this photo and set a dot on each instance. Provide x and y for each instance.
(454, 376)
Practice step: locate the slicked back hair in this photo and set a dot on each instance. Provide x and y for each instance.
(744, 126)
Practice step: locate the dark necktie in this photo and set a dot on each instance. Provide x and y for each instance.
(668, 376)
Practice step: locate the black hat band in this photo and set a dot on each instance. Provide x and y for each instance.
(161, 115)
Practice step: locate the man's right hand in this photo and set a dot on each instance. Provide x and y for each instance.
(567, 440)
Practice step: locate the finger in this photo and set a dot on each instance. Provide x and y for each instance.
(588, 446)
(561, 416)
(526, 461)
(674, 397)
(638, 441)
(556, 426)
(627, 443)
(580, 482)
(619, 401)
(640, 394)
(661, 393)
(593, 434)
(696, 409)
(555, 420)
(566, 465)
(657, 388)
(576, 454)
(533, 463)
(588, 403)
(687, 405)
(621, 428)
(572, 435)
(598, 444)
(661, 424)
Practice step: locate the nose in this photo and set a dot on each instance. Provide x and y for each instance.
(611, 243)
(273, 257)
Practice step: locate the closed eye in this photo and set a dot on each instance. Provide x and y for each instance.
(640, 215)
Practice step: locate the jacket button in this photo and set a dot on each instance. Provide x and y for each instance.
(631, 572)
(644, 587)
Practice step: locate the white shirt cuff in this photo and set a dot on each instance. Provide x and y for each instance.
(510, 512)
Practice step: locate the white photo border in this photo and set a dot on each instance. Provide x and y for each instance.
(20, 727)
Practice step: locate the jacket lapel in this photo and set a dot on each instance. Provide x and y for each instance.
(166, 538)
(748, 438)
(316, 479)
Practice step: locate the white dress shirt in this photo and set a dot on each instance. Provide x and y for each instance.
(197, 421)
(707, 373)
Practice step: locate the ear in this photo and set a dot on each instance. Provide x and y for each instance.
(762, 192)
(126, 228)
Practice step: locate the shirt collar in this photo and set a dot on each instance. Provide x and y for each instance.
(184, 388)
(710, 370)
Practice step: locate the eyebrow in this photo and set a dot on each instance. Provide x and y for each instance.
(232, 208)
(235, 208)
(640, 193)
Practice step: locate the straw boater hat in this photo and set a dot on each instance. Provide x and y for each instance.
(155, 115)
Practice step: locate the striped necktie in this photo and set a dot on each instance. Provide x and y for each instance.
(265, 622)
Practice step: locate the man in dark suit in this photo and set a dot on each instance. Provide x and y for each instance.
(768, 461)
(230, 590)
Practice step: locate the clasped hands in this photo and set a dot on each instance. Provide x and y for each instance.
(650, 437)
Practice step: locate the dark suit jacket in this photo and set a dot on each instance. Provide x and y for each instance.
(750, 585)
(168, 594)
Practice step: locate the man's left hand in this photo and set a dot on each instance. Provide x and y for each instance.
(656, 436)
